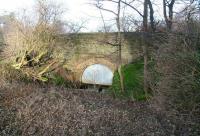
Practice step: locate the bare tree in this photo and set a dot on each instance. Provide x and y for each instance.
(33, 44)
(130, 23)
(151, 15)
(117, 14)
(104, 24)
(168, 5)
(48, 12)
(147, 6)
(145, 55)
(145, 30)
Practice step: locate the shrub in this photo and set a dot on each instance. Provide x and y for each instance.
(133, 82)
(177, 92)
(9, 75)
(31, 45)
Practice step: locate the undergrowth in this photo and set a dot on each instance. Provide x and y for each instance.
(133, 82)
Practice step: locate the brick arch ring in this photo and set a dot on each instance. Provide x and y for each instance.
(81, 67)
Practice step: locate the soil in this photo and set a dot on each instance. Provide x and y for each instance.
(48, 111)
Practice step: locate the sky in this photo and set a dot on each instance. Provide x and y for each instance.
(76, 11)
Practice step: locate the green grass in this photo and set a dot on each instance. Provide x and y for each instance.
(58, 80)
(133, 82)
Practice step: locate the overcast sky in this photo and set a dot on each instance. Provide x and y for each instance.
(77, 10)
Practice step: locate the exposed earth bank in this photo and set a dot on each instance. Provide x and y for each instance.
(43, 111)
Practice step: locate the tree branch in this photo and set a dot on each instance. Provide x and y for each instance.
(99, 7)
(124, 2)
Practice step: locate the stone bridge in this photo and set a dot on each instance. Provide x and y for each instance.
(98, 48)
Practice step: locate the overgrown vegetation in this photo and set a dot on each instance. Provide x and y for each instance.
(177, 93)
(179, 86)
(133, 82)
(30, 47)
(170, 69)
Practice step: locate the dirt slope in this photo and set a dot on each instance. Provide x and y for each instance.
(49, 111)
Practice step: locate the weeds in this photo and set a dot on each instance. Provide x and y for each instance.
(133, 82)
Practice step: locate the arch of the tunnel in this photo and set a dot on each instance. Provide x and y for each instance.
(84, 62)
(82, 66)
(83, 70)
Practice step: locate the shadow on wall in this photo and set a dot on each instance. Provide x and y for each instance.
(133, 42)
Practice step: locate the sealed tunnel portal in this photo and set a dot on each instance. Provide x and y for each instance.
(97, 74)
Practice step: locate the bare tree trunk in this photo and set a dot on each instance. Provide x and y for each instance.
(145, 27)
(171, 5)
(121, 78)
(169, 17)
(153, 27)
(165, 12)
(119, 31)
(104, 24)
(119, 38)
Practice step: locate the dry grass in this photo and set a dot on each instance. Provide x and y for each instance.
(58, 111)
